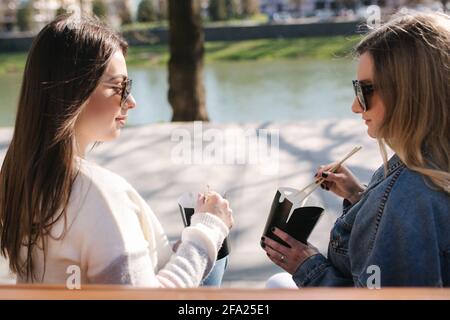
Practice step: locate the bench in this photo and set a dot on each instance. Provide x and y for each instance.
(114, 292)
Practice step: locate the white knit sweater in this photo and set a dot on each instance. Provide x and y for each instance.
(114, 237)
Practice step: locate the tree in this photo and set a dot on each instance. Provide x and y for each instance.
(99, 9)
(217, 10)
(146, 11)
(162, 10)
(124, 13)
(232, 8)
(24, 17)
(186, 90)
(250, 7)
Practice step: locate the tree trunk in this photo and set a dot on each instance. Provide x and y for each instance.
(186, 90)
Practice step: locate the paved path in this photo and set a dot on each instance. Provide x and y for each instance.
(143, 155)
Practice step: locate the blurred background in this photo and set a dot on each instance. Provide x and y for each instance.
(265, 60)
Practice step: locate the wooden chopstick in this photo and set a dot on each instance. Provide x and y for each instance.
(333, 170)
(317, 183)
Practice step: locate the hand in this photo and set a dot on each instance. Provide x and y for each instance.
(213, 203)
(342, 183)
(288, 258)
(176, 245)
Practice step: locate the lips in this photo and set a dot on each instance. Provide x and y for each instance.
(121, 120)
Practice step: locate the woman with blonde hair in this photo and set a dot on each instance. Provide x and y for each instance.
(60, 213)
(396, 230)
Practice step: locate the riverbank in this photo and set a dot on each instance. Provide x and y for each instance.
(263, 49)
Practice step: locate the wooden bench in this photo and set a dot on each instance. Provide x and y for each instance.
(113, 292)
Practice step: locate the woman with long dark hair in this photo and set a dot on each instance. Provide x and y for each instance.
(58, 210)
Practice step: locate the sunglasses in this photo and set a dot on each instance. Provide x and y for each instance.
(361, 92)
(125, 89)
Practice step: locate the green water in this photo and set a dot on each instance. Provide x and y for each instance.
(235, 91)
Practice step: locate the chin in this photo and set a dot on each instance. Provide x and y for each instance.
(111, 136)
(115, 134)
(372, 133)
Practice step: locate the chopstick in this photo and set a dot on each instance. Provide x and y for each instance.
(317, 183)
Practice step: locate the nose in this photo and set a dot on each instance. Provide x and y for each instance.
(356, 107)
(130, 103)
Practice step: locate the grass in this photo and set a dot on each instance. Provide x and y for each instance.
(265, 49)
(12, 62)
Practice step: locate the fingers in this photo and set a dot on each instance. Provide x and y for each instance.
(277, 257)
(200, 199)
(330, 179)
(333, 177)
(328, 167)
(275, 246)
(324, 168)
(213, 197)
(325, 186)
(292, 242)
(176, 246)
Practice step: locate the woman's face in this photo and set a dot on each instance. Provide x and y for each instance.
(374, 115)
(103, 116)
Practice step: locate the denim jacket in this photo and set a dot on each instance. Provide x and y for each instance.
(399, 231)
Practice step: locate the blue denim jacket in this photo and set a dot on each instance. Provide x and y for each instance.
(400, 225)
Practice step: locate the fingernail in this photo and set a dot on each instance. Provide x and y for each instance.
(327, 188)
(324, 175)
(273, 229)
(322, 186)
(263, 238)
(263, 245)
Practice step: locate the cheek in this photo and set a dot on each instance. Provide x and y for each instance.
(98, 118)
(100, 108)
(376, 114)
(378, 111)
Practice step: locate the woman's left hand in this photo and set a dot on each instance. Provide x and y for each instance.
(287, 258)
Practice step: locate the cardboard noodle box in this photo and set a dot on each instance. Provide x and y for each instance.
(287, 215)
(186, 203)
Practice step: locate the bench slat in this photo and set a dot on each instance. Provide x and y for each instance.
(22, 291)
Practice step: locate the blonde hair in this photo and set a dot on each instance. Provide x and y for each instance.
(411, 55)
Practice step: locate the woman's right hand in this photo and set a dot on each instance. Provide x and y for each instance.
(214, 204)
(342, 182)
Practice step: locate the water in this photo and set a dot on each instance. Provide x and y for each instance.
(235, 91)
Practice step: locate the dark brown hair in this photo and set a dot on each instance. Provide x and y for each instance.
(66, 61)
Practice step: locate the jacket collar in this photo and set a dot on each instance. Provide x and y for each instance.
(394, 163)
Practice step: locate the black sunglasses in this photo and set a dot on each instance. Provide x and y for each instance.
(126, 90)
(361, 92)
